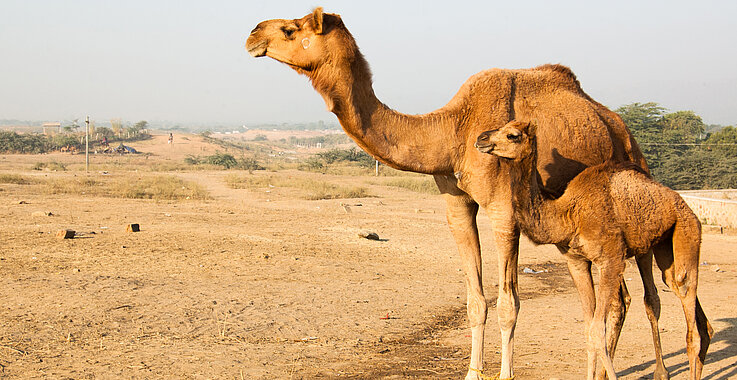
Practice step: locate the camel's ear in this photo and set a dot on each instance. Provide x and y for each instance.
(532, 127)
(317, 20)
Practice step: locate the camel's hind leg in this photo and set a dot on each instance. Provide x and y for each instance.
(680, 273)
(652, 308)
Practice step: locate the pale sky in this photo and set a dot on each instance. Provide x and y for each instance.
(184, 61)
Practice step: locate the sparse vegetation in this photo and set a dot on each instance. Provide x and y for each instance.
(311, 189)
(51, 166)
(16, 179)
(226, 161)
(158, 187)
(320, 162)
(420, 185)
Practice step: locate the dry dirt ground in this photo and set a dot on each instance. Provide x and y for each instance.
(259, 284)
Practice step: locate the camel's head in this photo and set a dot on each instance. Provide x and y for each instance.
(514, 141)
(303, 44)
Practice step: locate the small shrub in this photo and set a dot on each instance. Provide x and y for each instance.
(249, 164)
(225, 160)
(313, 164)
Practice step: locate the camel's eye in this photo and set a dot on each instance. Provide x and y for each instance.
(514, 137)
(288, 32)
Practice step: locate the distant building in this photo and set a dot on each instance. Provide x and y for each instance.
(51, 128)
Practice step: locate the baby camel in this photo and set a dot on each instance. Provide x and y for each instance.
(608, 212)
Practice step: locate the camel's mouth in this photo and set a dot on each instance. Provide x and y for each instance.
(484, 147)
(257, 49)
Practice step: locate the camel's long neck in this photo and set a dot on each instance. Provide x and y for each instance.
(418, 143)
(537, 216)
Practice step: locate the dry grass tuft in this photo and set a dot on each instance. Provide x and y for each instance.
(158, 187)
(420, 185)
(16, 179)
(311, 189)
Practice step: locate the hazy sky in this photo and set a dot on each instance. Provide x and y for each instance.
(185, 61)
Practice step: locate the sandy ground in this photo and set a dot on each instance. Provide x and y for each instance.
(258, 284)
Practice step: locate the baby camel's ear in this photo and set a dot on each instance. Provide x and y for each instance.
(532, 127)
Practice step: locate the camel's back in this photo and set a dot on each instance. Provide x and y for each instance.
(574, 131)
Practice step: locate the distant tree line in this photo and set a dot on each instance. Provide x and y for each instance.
(682, 152)
(34, 143)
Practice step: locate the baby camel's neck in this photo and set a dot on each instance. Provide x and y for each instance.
(537, 215)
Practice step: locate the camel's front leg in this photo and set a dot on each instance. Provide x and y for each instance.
(506, 236)
(461, 213)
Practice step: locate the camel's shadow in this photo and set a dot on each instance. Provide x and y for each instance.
(725, 359)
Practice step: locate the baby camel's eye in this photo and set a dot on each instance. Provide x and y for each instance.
(514, 137)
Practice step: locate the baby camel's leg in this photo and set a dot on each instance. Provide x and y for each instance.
(580, 270)
(610, 276)
(614, 322)
(652, 308)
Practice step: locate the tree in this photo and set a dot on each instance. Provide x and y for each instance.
(138, 127)
(724, 142)
(683, 127)
(645, 120)
(117, 126)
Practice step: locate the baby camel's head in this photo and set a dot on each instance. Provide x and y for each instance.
(514, 141)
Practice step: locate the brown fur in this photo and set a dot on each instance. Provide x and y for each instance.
(578, 133)
(607, 213)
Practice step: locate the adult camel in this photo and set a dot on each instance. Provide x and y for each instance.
(578, 132)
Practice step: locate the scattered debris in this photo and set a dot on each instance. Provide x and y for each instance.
(716, 268)
(42, 213)
(65, 234)
(134, 227)
(387, 317)
(306, 339)
(422, 211)
(347, 208)
(368, 235)
(532, 271)
(22, 203)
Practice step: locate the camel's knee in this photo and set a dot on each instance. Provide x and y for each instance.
(507, 313)
(597, 336)
(652, 305)
(477, 309)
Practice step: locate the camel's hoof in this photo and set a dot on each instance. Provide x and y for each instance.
(660, 374)
(472, 376)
